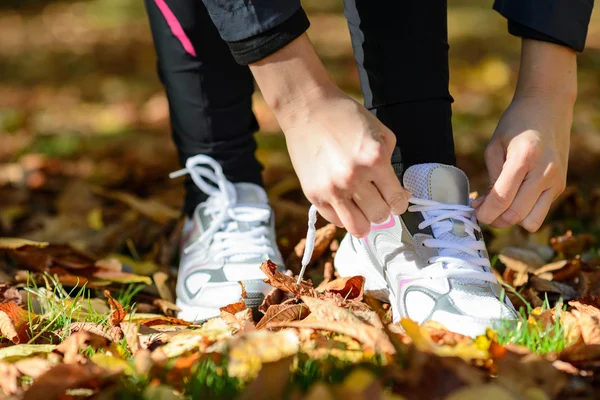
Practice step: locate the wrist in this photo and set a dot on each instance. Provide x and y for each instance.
(548, 71)
(291, 76)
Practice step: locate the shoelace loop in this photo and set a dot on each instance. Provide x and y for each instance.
(222, 206)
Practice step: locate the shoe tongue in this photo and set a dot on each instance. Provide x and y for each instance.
(437, 182)
(249, 193)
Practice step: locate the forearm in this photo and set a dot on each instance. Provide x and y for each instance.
(291, 74)
(547, 70)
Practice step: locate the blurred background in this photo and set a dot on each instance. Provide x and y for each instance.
(81, 108)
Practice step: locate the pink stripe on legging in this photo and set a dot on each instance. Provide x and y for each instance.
(175, 27)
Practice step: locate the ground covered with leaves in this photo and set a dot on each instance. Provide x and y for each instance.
(90, 226)
(75, 326)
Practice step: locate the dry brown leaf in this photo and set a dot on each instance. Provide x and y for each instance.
(117, 313)
(14, 322)
(329, 317)
(114, 334)
(323, 239)
(78, 341)
(235, 307)
(548, 270)
(571, 245)
(131, 331)
(283, 313)
(9, 378)
(275, 296)
(161, 280)
(33, 366)
(442, 336)
(521, 260)
(523, 372)
(349, 288)
(588, 318)
(567, 292)
(167, 308)
(163, 321)
(149, 208)
(284, 282)
(62, 377)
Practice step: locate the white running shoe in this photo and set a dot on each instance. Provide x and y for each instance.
(431, 262)
(229, 236)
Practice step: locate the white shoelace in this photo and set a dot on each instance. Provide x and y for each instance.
(452, 263)
(226, 214)
(449, 264)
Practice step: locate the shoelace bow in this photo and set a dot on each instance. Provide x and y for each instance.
(452, 263)
(226, 213)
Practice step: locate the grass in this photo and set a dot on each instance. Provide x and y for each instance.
(537, 337)
(59, 309)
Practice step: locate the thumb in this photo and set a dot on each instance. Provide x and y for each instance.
(494, 161)
(495, 157)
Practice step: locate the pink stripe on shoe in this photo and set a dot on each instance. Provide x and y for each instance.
(175, 27)
(389, 224)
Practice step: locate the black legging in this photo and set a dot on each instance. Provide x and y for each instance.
(401, 49)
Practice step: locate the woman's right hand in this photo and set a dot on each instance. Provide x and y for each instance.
(341, 154)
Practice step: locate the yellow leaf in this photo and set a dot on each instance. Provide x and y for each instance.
(112, 363)
(94, 219)
(249, 351)
(16, 243)
(419, 336)
(359, 380)
(423, 342)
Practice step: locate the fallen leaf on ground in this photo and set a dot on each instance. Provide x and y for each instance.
(62, 377)
(283, 313)
(349, 288)
(113, 364)
(33, 366)
(70, 348)
(160, 320)
(131, 331)
(117, 313)
(467, 350)
(542, 285)
(19, 351)
(249, 351)
(587, 318)
(329, 317)
(284, 282)
(114, 334)
(521, 260)
(571, 245)
(323, 238)
(17, 243)
(9, 376)
(14, 322)
(149, 208)
(234, 307)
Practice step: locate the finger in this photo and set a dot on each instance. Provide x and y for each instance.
(352, 217)
(478, 201)
(504, 190)
(536, 217)
(392, 192)
(389, 141)
(370, 202)
(527, 196)
(329, 214)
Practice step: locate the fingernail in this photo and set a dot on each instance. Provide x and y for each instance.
(477, 202)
